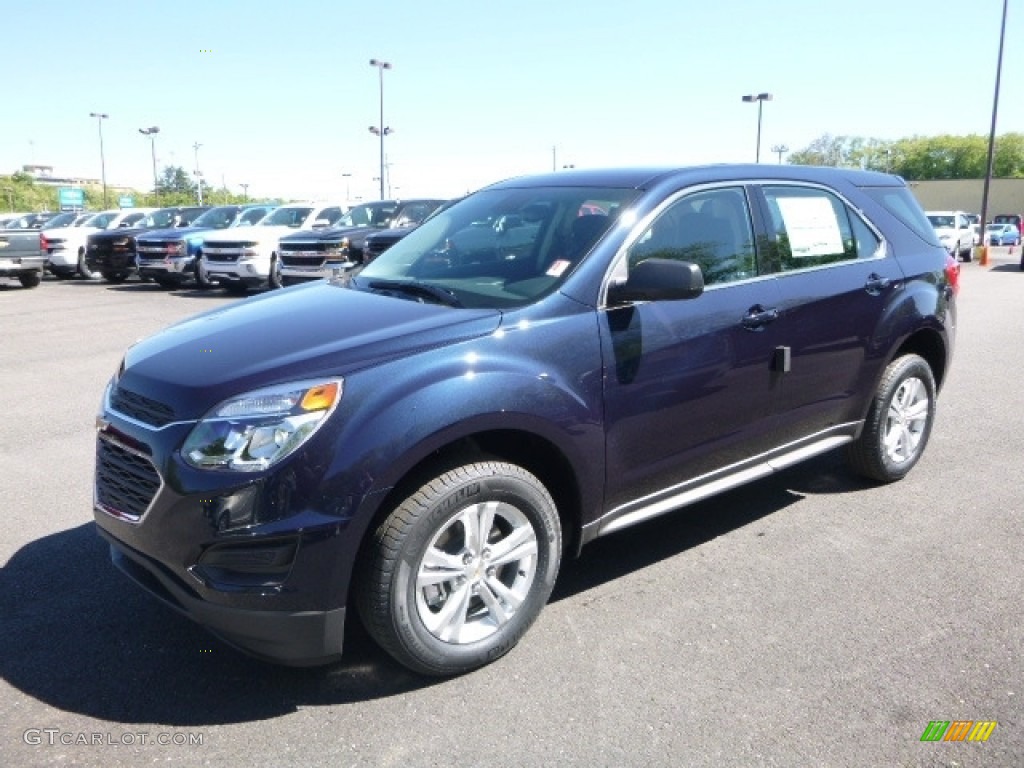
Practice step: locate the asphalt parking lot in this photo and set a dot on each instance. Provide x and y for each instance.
(811, 619)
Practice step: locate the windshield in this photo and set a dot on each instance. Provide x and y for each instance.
(61, 220)
(162, 219)
(938, 222)
(101, 220)
(287, 217)
(368, 215)
(217, 218)
(497, 248)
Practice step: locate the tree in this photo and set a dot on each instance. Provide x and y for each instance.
(919, 158)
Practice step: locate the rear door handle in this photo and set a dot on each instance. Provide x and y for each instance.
(758, 317)
(876, 284)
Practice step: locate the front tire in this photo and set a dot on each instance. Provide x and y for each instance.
(461, 568)
(274, 279)
(202, 281)
(899, 422)
(115, 277)
(83, 268)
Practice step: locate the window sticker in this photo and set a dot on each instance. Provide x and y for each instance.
(557, 268)
(811, 225)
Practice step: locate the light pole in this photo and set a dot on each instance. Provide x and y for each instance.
(992, 137)
(152, 131)
(100, 117)
(199, 175)
(381, 130)
(348, 185)
(760, 99)
(245, 192)
(780, 149)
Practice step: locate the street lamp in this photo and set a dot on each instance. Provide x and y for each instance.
(780, 149)
(348, 185)
(152, 131)
(100, 117)
(198, 174)
(760, 99)
(381, 130)
(245, 191)
(992, 135)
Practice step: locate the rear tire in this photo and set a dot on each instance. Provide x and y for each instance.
(899, 422)
(461, 568)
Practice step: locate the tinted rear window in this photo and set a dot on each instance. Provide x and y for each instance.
(904, 206)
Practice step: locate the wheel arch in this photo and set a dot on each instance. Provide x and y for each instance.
(529, 450)
(928, 344)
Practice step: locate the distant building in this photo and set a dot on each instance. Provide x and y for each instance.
(1005, 195)
(43, 174)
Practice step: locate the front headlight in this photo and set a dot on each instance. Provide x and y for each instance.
(254, 431)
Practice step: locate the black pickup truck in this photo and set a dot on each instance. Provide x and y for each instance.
(112, 253)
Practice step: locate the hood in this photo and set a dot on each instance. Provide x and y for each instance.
(177, 233)
(308, 331)
(330, 235)
(255, 233)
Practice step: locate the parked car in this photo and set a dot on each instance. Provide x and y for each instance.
(172, 257)
(21, 252)
(955, 232)
(1002, 234)
(315, 255)
(975, 220)
(65, 247)
(239, 261)
(31, 220)
(1016, 219)
(424, 439)
(21, 257)
(112, 253)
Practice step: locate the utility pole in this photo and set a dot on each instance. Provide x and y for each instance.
(199, 175)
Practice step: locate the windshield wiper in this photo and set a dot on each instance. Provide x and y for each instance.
(415, 288)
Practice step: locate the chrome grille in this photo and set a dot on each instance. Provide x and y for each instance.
(141, 408)
(126, 482)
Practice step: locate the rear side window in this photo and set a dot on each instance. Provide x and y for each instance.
(813, 228)
(904, 206)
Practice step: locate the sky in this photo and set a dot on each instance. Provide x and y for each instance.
(280, 95)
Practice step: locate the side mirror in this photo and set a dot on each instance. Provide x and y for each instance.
(658, 280)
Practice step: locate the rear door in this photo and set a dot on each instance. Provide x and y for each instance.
(836, 278)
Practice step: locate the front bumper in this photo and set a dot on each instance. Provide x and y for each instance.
(294, 638)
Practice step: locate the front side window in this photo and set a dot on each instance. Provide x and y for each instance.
(812, 228)
(710, 228)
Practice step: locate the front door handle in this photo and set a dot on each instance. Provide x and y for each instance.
(758, 317)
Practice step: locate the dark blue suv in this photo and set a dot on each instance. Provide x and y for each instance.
(550, 360)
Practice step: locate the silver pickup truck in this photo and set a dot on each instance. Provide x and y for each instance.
(21, 255)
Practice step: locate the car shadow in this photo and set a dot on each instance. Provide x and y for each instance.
(79, 636)
(1007, 268)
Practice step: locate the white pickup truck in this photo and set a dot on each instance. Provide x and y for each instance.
(955, 232)
(65, 248)
(243, 259)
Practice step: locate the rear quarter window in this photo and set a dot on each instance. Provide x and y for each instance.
(904, 206)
